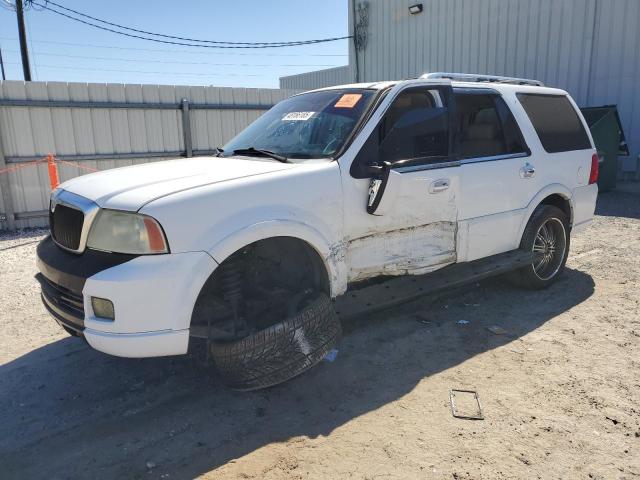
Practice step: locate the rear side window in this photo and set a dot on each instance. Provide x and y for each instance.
(485, 127)
(556, 122)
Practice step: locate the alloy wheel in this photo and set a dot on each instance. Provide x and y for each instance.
(549, 248)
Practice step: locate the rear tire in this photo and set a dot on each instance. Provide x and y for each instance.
(547, 237)
(281, 351)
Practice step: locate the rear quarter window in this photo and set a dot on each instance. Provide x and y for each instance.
(556, 122)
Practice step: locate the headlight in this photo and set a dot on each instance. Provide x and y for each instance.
(124, 232)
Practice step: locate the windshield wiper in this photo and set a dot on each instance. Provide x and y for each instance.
(267, 153)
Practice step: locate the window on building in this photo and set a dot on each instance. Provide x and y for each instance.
(556, 122)
(486, 127)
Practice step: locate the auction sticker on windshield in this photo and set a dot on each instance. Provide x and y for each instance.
(298, 116)
(348, 100)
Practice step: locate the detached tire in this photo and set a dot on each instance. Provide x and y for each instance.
(281, 351)
(547, 237)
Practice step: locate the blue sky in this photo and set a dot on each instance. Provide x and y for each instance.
(65, 50)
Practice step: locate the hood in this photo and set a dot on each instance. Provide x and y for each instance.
(130, 188)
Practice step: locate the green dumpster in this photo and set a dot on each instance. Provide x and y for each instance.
(608, 136)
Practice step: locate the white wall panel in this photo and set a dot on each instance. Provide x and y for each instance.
(317, 79)
(35, 131)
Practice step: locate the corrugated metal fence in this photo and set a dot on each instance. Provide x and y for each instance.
(102, 126)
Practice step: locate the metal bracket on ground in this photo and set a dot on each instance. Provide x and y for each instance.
(479, 415)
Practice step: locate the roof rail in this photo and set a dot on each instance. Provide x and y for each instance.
(475, 77)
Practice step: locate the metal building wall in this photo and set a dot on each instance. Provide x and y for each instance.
(615, 70)
(316, 79)
(30, 132)
(587, 47)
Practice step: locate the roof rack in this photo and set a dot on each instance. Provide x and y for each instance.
(475, 77)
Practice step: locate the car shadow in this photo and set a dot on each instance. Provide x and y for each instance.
(624, 201)
(67, 411)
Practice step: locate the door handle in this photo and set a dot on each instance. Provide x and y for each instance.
(439, 185)
(527, 171)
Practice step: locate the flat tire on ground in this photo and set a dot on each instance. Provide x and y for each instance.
(281, 351)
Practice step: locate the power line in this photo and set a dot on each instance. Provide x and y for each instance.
(92, 57)
(61, 67)
(187, 39)
(170, 42)
(190, 52)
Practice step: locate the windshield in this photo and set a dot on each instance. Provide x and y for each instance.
(311, 125)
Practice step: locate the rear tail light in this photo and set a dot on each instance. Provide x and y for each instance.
(595, 167)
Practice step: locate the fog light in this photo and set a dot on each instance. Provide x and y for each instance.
(103, 308)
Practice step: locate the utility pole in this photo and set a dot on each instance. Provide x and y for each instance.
(2, 65)
(23, 41)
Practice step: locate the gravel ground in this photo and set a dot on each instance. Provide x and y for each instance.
(559, 382)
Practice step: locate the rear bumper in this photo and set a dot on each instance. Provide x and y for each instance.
(584, 205)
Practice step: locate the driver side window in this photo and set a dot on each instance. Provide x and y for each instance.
(414, 127)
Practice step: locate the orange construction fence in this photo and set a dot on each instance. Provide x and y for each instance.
(52, 167)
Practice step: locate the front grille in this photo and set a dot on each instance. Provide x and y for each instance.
(68, 304)
(66, 226)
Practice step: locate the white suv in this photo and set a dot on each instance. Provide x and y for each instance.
(250, 248)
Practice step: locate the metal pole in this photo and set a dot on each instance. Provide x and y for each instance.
(5, 190)
(23, 41)
(355, 40)
(594, 38)
(186, 128)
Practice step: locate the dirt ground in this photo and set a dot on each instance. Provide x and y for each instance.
(560, 386)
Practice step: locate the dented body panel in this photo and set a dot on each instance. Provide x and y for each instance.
(407, 251)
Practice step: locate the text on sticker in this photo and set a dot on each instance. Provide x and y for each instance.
(298, 116)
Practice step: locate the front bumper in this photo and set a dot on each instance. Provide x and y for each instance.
(139, 345)
(63, 276)
(153, 297)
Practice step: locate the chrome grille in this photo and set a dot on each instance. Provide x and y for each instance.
(66, 226)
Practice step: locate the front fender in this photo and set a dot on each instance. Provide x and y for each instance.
(332, 254)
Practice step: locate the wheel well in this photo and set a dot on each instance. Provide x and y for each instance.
(259, 282)
(562, 203)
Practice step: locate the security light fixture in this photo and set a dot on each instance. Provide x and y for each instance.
(415, 9)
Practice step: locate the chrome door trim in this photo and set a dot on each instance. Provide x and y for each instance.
(458, 163)
(427, 166)
(494, 158)
(86, 206)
